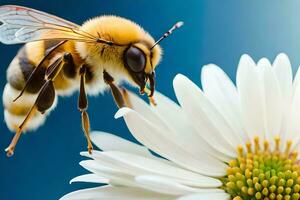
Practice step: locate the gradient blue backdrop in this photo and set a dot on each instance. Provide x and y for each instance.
(214, 31)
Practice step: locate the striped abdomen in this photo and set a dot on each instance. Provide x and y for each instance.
(18, 73)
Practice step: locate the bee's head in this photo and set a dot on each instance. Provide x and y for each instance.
(141, 58)
(140, 61)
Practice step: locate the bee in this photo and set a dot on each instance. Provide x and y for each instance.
(60, 57)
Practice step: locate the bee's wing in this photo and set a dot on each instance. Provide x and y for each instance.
(21, 25)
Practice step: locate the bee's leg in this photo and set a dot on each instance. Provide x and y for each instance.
(37, 69)
(44, 101)
(126, 98)
(10, 149)
(151, 99)
(82, 106)
(118, 97)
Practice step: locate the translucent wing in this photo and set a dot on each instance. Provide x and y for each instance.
(21, 25)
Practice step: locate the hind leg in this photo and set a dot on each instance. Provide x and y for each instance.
(44, 101)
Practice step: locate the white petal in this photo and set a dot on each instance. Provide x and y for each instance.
(249, 89)
(89, 178)
(166, 186)
(220, 90)
(172, 114)
(296, 81)
(272, 100)
(143, 108)
(293, 128)
(284, 74)
(170, 119)
(208, 122)
(206, 196)
(114, 176)
(181, 129)
(114, 193)
(110, 142)
(137, 165)
(148, 134)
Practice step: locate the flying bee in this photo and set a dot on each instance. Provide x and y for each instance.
(60, 57)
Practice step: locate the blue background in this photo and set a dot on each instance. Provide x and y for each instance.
(214, 31)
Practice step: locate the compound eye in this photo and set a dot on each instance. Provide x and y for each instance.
(135, 59)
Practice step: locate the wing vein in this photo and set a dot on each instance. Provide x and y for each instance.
(22, 25)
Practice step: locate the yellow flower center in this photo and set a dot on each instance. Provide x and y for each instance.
(261, 173)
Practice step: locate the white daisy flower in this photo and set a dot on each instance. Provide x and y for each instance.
(222, 142)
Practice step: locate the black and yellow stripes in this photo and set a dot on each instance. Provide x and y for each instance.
(19, 71)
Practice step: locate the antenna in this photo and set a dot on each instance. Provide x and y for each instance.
(169, 32)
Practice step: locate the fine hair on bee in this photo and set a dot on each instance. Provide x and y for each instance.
(60, 57)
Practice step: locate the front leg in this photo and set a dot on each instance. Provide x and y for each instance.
(82, 106)
(118, 97)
